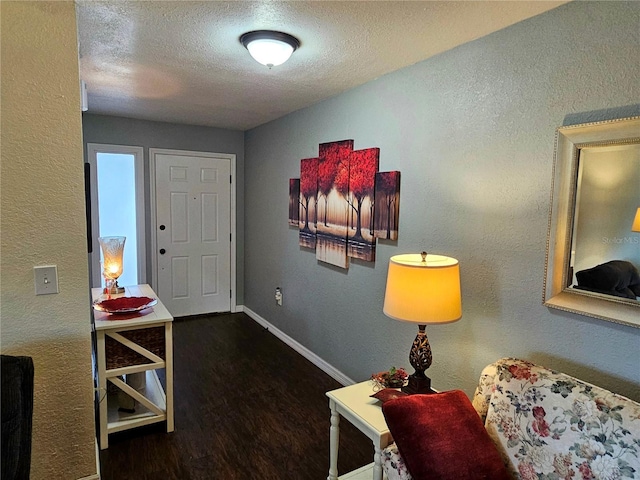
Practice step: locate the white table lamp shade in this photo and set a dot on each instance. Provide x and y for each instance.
(423, 292)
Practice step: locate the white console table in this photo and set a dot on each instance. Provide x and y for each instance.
(130, 334)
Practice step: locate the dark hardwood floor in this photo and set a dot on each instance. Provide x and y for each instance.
(246, 407)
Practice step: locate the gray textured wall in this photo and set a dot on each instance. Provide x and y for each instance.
(142, 133)
(472, 131)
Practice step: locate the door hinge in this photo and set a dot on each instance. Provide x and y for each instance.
(230, 293)
(230, 178)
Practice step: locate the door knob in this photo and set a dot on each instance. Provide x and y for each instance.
(162, 251)
(162, 227)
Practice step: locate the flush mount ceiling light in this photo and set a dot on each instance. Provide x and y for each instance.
(268, 47)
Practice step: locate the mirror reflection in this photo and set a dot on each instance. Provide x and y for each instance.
(605, 251)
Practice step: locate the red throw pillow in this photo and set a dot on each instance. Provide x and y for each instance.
(441, 436)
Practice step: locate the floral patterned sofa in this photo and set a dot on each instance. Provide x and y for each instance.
(550, 426)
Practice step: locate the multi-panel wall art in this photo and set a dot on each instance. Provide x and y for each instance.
(341, 203)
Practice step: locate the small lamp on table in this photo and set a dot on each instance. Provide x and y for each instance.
(422, 289)
(112, 253)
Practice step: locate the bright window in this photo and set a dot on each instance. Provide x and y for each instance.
(117, 207)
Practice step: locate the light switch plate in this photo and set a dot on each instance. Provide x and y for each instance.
(46, 279)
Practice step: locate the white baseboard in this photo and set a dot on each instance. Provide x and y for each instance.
(301, 349)
(95, 476)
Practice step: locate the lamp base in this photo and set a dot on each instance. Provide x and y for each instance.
(420, 359)
(418, 384)
(113, 288)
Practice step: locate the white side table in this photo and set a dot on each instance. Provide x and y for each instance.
(365, 413)
(154, 403)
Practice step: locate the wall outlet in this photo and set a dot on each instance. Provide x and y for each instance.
(278, 296)
(46, 279)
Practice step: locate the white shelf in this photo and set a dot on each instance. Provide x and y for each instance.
(363, 473)
(118, 421)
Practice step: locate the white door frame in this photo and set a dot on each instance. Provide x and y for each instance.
(138, 152)
(154, 224)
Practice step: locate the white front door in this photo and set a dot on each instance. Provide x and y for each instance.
(193, 226)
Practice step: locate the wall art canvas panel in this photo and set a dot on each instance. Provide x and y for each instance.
(362, 177)
(333, 191)
(308, 195)
(341, 204)
(294, 202)
(387, 205)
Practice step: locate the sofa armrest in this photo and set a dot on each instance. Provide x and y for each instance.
(393, 464)
(548, 424)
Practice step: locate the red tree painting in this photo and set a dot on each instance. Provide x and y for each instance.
(333, 159)
(326, 175)
(387, 205)
(344, 203)
(308, 193)
(333, 166)
(362, 175)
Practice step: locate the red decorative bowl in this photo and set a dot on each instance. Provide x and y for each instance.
(125, 304)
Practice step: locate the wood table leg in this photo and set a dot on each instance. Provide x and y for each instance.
(334, 441)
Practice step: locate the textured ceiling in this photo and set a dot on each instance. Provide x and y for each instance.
(182, 62)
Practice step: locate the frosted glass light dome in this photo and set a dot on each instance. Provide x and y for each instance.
(270, 48)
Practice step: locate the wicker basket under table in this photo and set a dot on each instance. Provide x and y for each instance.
(119, 355)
